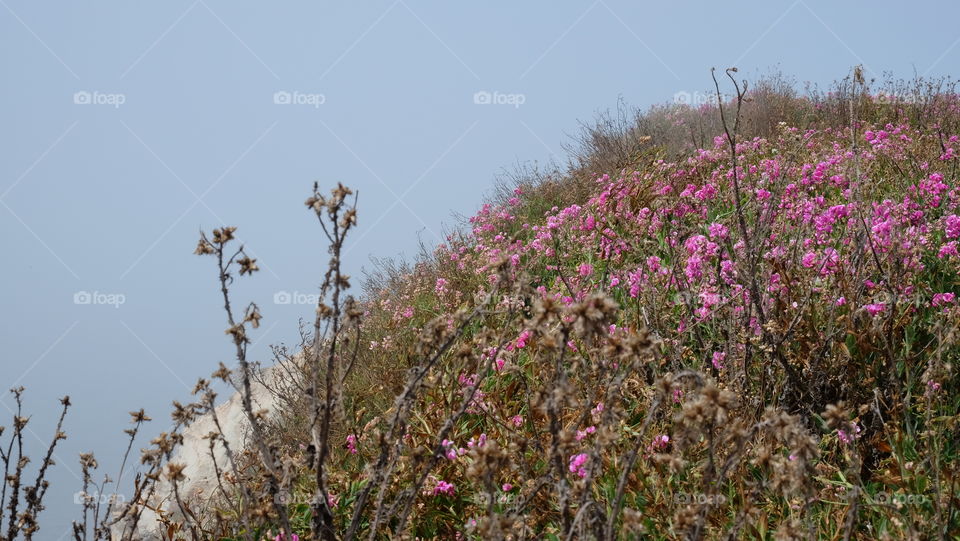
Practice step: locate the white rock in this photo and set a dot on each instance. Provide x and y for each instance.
(200, 486)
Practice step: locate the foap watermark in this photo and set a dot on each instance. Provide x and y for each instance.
(286, 499)
(695, 99)
(85, 97)
(685, 498)
(485, 97)
(906, 98)
(484, 498)
(283, 97)
(96, 297)
(97, 498)
(287, 297)
(898, 499)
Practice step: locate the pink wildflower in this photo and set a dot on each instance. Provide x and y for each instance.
(352, 443)
(589, 223)
(577, 464)
(943, 298)
(581, 434)
(653, 263)
(846, 437)
(522, 339)
(948, 249)
(596, 412)
(451, 449)
(952, 227)
(444, 487)
(718, 231)
(718, 358)
(660, 442)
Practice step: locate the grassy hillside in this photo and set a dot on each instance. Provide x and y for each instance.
(713, 322)
(655, 340)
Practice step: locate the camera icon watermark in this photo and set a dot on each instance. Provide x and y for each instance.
(283, 97)
(485, 97)
(98, 298)
(85, 97)
(287, 297)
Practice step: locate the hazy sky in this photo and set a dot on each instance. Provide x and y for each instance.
(126, 127)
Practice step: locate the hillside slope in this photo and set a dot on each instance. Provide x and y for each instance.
(749, 334)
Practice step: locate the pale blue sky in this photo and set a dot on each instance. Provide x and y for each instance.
(108, 197)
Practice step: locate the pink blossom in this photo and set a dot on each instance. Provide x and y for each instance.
(948, 249)
(875, 308)
(581, 434)
(352, 443)
(585, 269)
(718, 231)
(444, 487)
(522, 339)
(660, 442)
(952, 226)
(451, 449)
(577, 464)
(478, 442)
(718, 358)
(589, 223)
(943, 298)
(653, 263)
(847, 437)
(597, 411)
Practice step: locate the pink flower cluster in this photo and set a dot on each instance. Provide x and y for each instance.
(578, 464)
